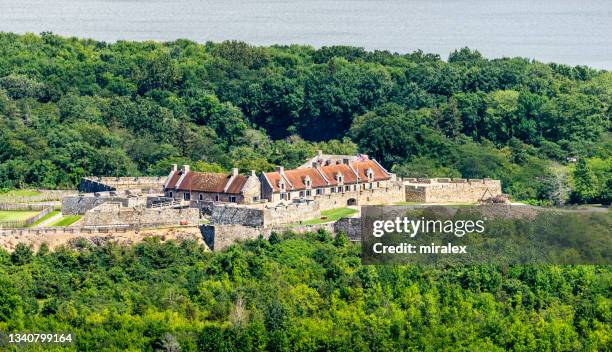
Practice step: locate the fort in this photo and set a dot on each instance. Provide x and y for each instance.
(230, 206)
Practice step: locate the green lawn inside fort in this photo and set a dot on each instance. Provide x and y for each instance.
(330, 215)
(18, 193)
(16, 215)
(44, 218)
(65, 221)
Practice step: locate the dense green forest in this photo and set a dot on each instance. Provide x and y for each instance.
(71, 107)
(297, 293)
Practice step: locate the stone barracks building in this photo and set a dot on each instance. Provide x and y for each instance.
(188, 185)
(335, 177)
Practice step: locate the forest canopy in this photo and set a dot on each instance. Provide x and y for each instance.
(295, 293)
(73, 107)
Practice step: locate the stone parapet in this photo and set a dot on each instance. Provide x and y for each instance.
(116, 214)
(456, 190)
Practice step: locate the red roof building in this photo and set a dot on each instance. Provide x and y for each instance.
(207, 186)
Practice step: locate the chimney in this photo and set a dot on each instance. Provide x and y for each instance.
(174, 167)
(319, 153)
(185, 169)
(280, 170)
(253, 173)
(235, 171)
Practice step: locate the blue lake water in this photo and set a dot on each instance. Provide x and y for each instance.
(565, 31)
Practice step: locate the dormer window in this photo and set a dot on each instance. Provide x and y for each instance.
(370, 174)
(307, 182)
(281, 185)
(339, 178)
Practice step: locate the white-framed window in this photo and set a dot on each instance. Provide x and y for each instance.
(320, 191)
(370, 185)
(308, 193)
(347, 188)
(301, 194)
(339, 189)
(370, 174)
(232, 199)
(186, 195)
(333, 189)
(377, 184)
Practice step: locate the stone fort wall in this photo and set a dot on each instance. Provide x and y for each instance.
(218, 237)
(116, 214)
(105, 184)
(445, 190)
(264, 215)
(79, 205)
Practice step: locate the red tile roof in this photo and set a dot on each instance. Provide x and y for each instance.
(379, 173)
(206, 182)
(237, 184)
(171, 183)
(331, 171)
(296, 177)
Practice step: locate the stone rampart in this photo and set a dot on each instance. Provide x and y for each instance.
(240, 215)
(79, 205)
(219, 237)
(290, 213)
(116, 214)
(104, 184)
(444, 190)
(262, 215)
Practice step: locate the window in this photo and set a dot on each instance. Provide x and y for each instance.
(217, 198)
(301, 194)
(333, 189)
(170, 194)
(308, 193)
(370, 174)
(186, 196)
(232, 199)
(370, 185)
(320, 190)
(283, 196)
(347, 188)
(340, 189)
(378, 184)
(255, 199)
(201, 197)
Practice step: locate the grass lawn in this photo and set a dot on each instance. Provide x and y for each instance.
(16, 215)
(330, 215)
(44, 218)
(19, 193)
(66, 221)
